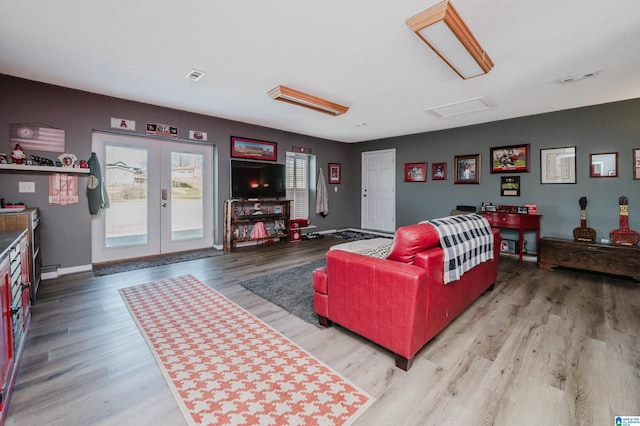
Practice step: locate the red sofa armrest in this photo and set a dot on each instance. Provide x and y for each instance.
(373, 296)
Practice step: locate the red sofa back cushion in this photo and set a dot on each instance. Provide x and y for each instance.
(412, 239)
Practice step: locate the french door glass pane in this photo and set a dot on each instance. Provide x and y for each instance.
(126, 182)
(187, 221)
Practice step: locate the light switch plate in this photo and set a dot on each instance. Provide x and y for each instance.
(26, 187)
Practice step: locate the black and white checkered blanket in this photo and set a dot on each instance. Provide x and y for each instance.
(467, 241)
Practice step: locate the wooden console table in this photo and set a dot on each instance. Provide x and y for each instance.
(595, 257)
(518, 221)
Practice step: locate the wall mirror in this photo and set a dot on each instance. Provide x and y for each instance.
(604, 164)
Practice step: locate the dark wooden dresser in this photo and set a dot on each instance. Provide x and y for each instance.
(28, 219)
(595, 257)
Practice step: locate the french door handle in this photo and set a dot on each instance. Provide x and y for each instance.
(164, 204)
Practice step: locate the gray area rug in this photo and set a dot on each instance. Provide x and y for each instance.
(355, 235)
(290, 289)
(148, 262)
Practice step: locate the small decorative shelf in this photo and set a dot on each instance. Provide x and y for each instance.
(49, 169)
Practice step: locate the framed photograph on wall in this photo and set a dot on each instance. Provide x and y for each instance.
(558, 165)
(334, 173)
(636, 163)
(467, 168)
(510, 159)
(510, 186)
(415, 172)
(439, 171)
(253, 149)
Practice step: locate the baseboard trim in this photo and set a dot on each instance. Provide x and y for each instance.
(65, 271)
(328, 231)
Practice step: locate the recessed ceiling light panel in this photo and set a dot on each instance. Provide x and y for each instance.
(462, 107)
(444, 31)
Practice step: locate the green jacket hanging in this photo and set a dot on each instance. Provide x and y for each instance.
(96, 190)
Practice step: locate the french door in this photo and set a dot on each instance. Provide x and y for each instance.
(160, 195)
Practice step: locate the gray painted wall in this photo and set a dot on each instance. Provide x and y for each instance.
(66, 230)
(611, 127)
(603, 128)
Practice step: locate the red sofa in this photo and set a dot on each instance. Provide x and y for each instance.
(399, 302)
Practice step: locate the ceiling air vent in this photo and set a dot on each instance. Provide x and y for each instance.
(194, 75)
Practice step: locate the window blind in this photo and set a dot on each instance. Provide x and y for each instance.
(297, 184)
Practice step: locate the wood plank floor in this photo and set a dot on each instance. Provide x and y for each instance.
(544, 348)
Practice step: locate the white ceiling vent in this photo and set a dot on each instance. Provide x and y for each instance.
(194, 75)
(459, 108)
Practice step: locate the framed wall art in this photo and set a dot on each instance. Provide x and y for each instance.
(636, 163)
(467, 168)
(334, 173)
(510, 186)
(510, 159)
(439, 171)
(253, 149)
(558, 165)
(603, 164)
(415, 172)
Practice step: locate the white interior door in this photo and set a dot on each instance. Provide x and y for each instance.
(160, 193)
(379, 190)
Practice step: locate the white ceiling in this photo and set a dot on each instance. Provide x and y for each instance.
(359, 53)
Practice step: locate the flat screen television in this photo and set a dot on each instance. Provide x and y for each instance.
(255, 179)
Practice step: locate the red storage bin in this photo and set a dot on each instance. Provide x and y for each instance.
(295, 234)
(299, 223)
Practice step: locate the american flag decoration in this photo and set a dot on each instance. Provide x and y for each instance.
(38, 137)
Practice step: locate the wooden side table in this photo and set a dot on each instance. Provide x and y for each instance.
(517, 221)
(595, 257)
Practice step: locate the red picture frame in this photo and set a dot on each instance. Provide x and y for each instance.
(334, 173)
(253, 149)
(415, 172)
(439, 171)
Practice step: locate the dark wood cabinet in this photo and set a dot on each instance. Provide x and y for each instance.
(28, 219)
(241, 217)
(587, 256)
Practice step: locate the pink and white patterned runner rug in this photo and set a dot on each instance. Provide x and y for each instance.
(227, 367)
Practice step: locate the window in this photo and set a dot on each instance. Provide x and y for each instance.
(297, 184)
